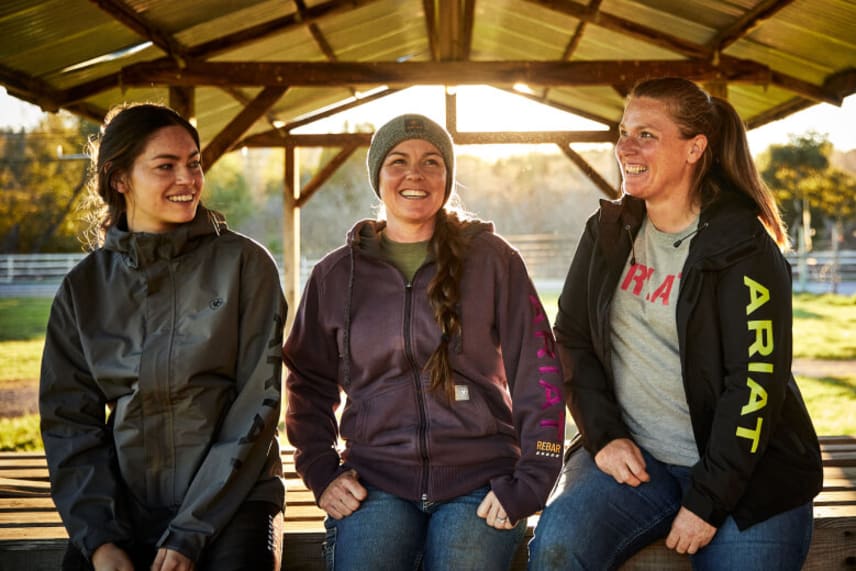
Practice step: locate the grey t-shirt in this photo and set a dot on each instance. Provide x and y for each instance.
(646, 357)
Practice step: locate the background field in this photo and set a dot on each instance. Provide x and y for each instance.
(824, 353)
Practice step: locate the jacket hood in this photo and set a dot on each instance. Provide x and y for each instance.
(142, 248)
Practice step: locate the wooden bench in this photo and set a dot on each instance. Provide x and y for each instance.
(32, 536)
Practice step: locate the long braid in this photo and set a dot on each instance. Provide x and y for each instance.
(448, 246)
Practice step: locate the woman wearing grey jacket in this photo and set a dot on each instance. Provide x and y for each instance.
(160, 384)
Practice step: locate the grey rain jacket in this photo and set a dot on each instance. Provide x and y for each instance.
(362, 329)
(759, 452)
(179, 335)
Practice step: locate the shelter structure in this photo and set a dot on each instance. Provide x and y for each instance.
(250, 72)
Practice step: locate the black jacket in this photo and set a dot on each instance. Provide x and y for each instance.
(759, 453)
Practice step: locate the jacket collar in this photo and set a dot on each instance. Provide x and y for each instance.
(142, 248)
(729, 227)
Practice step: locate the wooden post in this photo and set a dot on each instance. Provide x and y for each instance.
(183, 102)
(291, 233)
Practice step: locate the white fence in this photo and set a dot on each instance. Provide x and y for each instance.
(547, 258)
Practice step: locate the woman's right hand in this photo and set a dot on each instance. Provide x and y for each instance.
(623, 460)
(343, 496)
(111, 557)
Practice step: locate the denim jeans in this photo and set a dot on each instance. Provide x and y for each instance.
(592, 522)
(251, 541)
(388, 532)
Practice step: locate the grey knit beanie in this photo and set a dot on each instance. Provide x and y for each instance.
(402, 128)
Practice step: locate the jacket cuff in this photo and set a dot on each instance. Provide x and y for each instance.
(517, 499)
(704, 507)
(321, 472)
(188, 544)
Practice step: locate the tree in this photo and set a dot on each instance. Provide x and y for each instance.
(43, 176)
(800, 176)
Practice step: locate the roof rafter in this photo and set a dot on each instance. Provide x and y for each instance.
(225, 139)
(126, 15)
(678, 45)
(744, 25)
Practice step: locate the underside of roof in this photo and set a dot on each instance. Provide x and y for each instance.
(251, 71)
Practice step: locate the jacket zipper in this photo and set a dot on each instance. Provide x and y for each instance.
(420, 397)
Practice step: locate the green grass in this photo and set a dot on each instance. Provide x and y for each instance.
(825, 326)
(823, 329)
(23, 318)
(20, 360)
(830, 402)
(20, 433)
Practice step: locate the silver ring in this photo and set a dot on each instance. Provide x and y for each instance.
(501, 519)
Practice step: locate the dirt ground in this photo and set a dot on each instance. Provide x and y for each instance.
(18, 398)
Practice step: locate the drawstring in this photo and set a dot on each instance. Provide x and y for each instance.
(346, 337)
(632, 245)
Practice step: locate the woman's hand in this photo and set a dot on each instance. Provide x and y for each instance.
(111, 557)
(493, 513)
(689, 532)
(623, 460)
(171, 560)
(343, 496)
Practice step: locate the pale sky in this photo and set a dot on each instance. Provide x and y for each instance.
(487, 109)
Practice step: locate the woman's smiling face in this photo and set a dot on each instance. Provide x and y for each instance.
(657, 162)
(163, 187)
(412, 183)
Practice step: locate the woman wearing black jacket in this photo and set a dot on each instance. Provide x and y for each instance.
(674, 330)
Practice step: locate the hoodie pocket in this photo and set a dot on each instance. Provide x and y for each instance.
(387, 417)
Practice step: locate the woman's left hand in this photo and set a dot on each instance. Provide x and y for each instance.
(493, 513)
(689, 533)
(171, 560)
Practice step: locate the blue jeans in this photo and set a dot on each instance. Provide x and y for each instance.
(593, 522)
(388, 532)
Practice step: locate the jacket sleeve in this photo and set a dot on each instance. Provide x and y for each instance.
(312, 357)
(755, 312)
(534, 376)
(238, 457)
(78, 444)
(590, 395)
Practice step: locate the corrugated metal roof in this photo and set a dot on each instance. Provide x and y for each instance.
(86, 55)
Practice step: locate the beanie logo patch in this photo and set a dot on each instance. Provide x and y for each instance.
(414, 124)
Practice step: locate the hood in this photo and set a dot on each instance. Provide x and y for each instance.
(142, 248)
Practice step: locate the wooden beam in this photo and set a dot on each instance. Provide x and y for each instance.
(278, 139)
(467, 25)
(592, 174)
(311, 187)
(182, 100)
(744, 25)
(225, 139)
(593, 15)
(125, 14)
(273, 27)
(291, 234)
(546, 73)
(566, 108)
(431, 29)
(330, 111)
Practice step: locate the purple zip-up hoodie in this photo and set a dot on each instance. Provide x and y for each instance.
(363, 329)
